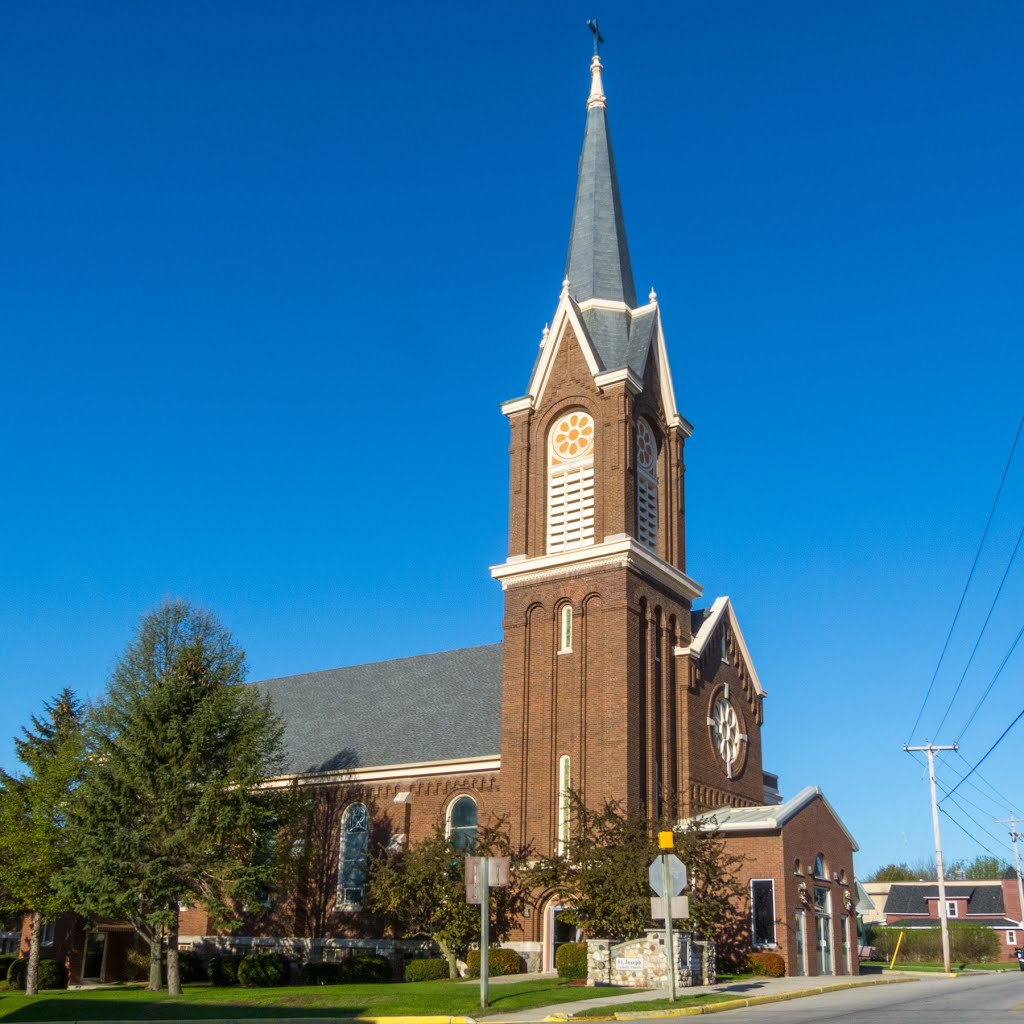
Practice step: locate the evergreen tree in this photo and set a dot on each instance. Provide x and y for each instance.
(34, 807)
(173, 809)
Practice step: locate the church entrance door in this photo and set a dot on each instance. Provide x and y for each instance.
(557, 931)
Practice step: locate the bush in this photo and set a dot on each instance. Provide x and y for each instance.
(190, 967)
(320, 973)
(5, 963)
(499, 962)
(263, 970)
(968, 943)
(433, 969)
(571, 961)
(767, 965)
(51, 974)
(358, 968)
(223, 969)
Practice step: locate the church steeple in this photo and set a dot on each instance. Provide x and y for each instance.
(598, 263)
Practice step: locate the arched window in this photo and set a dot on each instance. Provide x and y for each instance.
(564, 807)
(565, 629)
(355, 827)
(571, 482)
(462, 819)
(646, 486)
(819, 866)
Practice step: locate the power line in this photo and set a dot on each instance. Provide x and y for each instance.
(981, 778)
(971, 817)
(992, 681)
(984, 626)
(987, 752)
(970, 576)
(968, 834)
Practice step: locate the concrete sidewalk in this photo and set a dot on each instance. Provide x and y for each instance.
(749, 988)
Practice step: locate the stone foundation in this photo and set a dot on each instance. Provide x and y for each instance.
(642, 963)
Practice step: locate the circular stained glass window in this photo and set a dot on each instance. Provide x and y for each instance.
(646, 448)
(573, 437)
(725, 731)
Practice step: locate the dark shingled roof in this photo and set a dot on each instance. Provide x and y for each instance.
(436, 707)
(913, 899)
(598, 263)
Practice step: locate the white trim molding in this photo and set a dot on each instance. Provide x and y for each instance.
(721, 607)
(384, 773)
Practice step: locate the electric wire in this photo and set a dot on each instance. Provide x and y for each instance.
(968, 834)
(992, 681)
(970, 576)
(1006, 803)
(1000, 805)
(981, 633)
(991, 835)
(1002, 737)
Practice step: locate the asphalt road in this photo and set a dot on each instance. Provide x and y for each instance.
(969, 999)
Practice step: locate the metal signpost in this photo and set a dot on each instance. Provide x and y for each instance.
(481, 874)
(667, 875)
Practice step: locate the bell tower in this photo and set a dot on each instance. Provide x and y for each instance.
(597, 599)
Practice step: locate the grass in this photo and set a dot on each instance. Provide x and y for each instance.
(203, 1002)
(932, 968)
(682, 1003)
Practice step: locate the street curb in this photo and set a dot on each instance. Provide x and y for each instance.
(731, 1004)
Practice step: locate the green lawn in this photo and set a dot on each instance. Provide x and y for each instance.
(203, 1002)
(682, 1003)
(934, 967)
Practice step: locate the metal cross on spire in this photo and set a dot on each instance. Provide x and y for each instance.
(598, 38)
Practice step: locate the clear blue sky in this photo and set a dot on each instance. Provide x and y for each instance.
(269, 269)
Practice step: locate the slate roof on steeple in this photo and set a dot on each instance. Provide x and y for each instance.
(598, 263)
(435, 707)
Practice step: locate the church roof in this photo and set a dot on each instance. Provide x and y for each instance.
(435, 707)
(620, 339)
(598, 263)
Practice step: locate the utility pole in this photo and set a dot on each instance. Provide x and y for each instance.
(931, 749)
(1015, 835)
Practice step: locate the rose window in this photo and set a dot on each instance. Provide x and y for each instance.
(725, 731)
(646, 449)
(573, 437)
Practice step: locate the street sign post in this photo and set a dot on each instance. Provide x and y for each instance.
(667, 875)
(483, 873)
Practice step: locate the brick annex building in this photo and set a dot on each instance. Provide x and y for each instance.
(609, 681)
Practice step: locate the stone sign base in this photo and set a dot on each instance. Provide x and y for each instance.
(642, 963)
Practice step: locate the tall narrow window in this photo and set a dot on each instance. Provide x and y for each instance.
(646, 486)
(462, 823)
(355, 827)
(565, 629)
(564, 806)
(571, 483)
(762, 911)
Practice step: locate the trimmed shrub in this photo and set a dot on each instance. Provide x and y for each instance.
(365, 968)
(263, 970)
(190, 967)
(52, 974)
(571, 961)
(5, 963)
(432, 969)
(320, 973)
(499, 962)
(767, 965)
(968, 943)
(222, 969)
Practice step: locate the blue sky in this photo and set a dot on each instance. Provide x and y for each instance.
(269, 269)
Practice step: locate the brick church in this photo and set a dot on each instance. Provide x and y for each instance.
(610, 680)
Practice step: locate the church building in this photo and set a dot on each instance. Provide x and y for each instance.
(616, 677)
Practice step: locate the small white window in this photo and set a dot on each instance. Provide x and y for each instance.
(1011, 938)
(564, 808)
(48, 933)
(725, 646)
(565, 630)
(950, 908)
(819, 866)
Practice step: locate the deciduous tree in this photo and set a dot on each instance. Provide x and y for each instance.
(34, 808)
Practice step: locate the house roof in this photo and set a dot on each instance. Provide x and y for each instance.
(766, 817)
(933, 922)
(435, 707)
(982, 898)
(598, 264)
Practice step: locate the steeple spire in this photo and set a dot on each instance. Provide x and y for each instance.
(598, 265)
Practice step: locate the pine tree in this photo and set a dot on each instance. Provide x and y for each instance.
(34, 808)
(173, 809)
